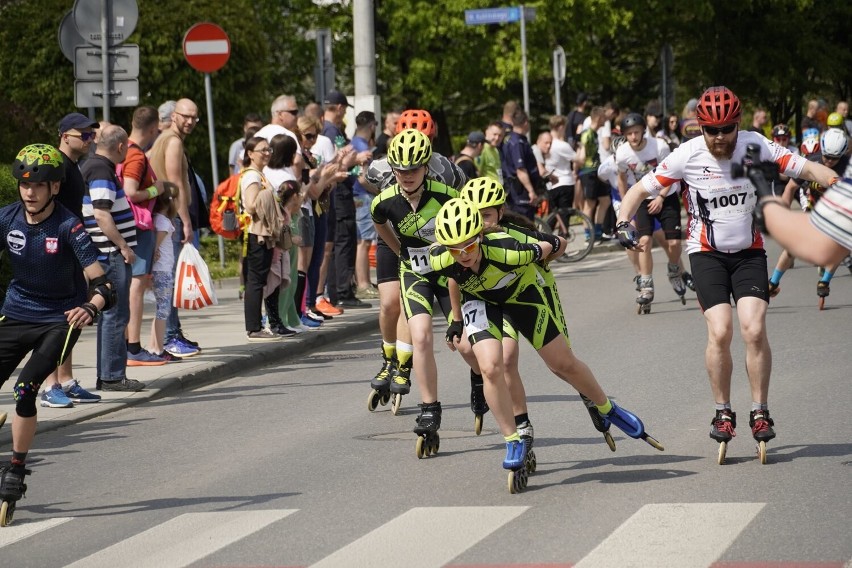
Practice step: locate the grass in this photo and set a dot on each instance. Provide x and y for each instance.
(210, 253)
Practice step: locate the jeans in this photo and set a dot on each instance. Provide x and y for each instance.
(112, 349)
(173, 330)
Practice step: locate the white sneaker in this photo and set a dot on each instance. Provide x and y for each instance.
(300, 329)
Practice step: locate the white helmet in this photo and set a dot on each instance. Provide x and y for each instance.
(834, 143)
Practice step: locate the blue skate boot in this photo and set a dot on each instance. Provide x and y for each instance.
(631, 425)
(599, 421)
(427, 427)
(477, 401)
(12, 489)
(515, 462)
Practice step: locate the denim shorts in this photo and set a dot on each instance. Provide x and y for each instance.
(363, 219)
(144, 251)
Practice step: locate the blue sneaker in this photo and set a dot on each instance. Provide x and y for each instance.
(310, 322)
(77, 393)
(180, 349)
(144, 359)
(55, 398)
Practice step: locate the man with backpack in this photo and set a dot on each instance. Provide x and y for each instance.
(466, 160)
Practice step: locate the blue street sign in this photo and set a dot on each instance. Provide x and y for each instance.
(492, 16)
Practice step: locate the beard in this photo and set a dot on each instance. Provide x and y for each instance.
(722, 149)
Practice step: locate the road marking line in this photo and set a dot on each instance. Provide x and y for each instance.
(19, 530)
(672, 535)
(182, 540)
(429, 537)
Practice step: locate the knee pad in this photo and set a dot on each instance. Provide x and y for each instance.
(25, 398)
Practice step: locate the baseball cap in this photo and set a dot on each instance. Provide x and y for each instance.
(76, 121)
(335, 98)
(475, 137)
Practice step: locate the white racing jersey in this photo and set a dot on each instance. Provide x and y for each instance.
(718, 206)
(636, 164)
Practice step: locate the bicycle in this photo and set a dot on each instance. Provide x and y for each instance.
(571, 224)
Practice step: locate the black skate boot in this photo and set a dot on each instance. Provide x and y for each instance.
(478, 404)
(381, 383)
(12, 489)
(761, 428)
(400, 384)
(599, 421)
(722, 430)
(426, 429)
(688, 280)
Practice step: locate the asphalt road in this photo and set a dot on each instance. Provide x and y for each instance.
(286, 467)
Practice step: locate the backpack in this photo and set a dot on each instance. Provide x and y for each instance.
(225, 218)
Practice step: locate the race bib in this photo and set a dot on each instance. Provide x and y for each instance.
(731, 204)
(419, 257)
(475, 319)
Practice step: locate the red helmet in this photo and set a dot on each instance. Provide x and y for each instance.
(418, 120)
(717, 106)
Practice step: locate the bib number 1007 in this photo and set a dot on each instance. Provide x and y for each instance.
(729, 200)
(475, 319)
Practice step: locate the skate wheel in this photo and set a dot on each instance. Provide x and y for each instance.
(373, 400)
(511, 483)
(639, 309)
(477, 424)
(396, 404)
(609, 441)
(385, 398)
(7, 510)
(723, 449)
(647, 309)
(531, 462)
(821, 304)
(653, 442)
(420, 448)
(683, 300)
(761, 452)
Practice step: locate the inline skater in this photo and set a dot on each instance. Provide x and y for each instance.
(833, 154)
(640, 155)
(47, 244)
(725, 249)
(394, 377)
(404, 215)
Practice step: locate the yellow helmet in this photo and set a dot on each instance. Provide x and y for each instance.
(835, 120)
(484, 192)
(409, 150)
(457, 221)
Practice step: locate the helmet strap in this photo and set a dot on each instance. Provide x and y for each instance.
(50, 199)
(410, 194)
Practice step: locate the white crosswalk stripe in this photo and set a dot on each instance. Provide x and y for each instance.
(183, 540)
(20, 530)
(450, 530)
(672, 535)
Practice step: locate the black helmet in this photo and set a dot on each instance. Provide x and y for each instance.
(38, 163)
(780, 130)
(632, 119)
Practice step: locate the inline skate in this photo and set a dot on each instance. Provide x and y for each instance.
(761, 429)
(381, 383)
(823, 290)
(478, 404)
(722, 430)
(400, 384)
(516, 462)
(676, 280)
(688, 280)
(646, 294)
(12, 489)
(600, 422)
(630, 424)
(428, 423)
(3, 416)
(525, 430)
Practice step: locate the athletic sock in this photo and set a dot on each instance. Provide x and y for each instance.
(776, 276)
(723, 406)
(19, 458)
(604, 408)
(759, 406)
(521, 418)
(388, 349)
(513, 438)
(404, 352)
(134, 348)
(826, 277)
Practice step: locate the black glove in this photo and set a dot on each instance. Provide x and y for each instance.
(762, 175)
(454, 330)
(627, 235)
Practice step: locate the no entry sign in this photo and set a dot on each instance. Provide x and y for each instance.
(206, 47)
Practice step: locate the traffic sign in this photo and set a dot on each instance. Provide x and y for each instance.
(124, 93)
(122, 18)
(69, 37)
(206, 47)
(123, 62)
(492, 15)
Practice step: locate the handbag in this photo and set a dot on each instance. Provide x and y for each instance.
(193, 285)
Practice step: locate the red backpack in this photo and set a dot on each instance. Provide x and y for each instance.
(225, 217)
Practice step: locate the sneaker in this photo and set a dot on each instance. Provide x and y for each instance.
(167, 357)
(124, 385)
(189, 342)
(318, 315)
(262, 335)
(325, 307)
(310, 322)
(55, 397)
(353, 303)
(180, 349)
(303, 327)
(297, 329)
(144, 359)
(77, 393)
(283, 331)
(366, 293)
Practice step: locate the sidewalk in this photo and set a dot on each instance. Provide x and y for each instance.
(225, 352)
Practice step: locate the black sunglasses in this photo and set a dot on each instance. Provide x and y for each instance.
(310, 136)
(716, 130)
(293, 111)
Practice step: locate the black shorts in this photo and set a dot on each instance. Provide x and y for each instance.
(593, 187)
(387, 263)
(669, 218)
(46, 341)
(561, 197)
(719, 276)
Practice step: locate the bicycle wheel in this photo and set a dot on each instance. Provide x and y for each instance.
(580, 236)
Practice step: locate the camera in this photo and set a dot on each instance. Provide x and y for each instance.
(762, 174)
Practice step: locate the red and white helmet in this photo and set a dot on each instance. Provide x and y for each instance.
(718, 106)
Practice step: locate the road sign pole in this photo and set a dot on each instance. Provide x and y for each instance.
(105, 56)
(214, 162)
(524, 60)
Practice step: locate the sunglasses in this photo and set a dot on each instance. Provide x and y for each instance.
(717, 130)
(468, 249)
(293, 111)
(310, 136)
(84, 136)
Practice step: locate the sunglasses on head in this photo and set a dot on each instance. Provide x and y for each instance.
(467, 249)
(716, 130)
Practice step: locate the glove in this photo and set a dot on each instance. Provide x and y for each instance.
(627, 235)
(454, 330)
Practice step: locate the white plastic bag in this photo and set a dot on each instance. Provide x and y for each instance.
(193, 285)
